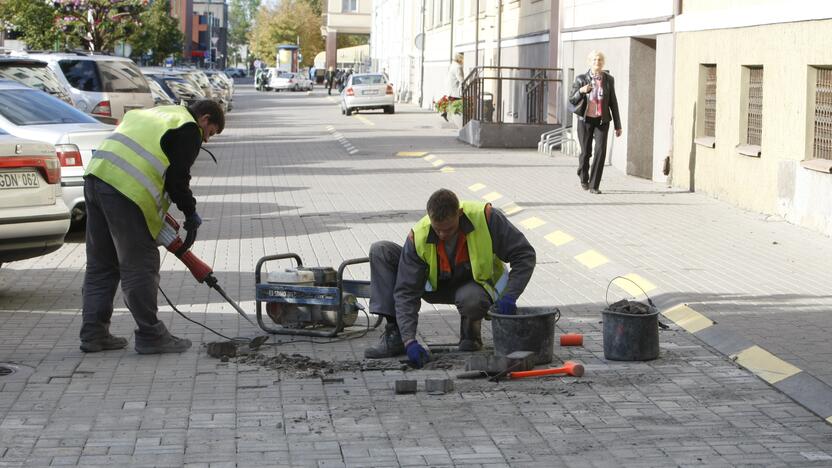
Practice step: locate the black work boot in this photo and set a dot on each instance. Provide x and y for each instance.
(470, 334)
(389, 345)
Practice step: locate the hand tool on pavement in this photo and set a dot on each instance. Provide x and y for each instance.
(570, 368)
(169, 238)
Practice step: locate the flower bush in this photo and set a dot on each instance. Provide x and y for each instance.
(445, 105)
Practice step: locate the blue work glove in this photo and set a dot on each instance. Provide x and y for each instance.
(416, 354)
(192, 222)
(505, 305)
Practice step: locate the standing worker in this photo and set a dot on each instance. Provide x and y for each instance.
(453, 255)
(593, 95)
(129, 184)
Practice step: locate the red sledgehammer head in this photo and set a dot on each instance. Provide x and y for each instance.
(571, 368)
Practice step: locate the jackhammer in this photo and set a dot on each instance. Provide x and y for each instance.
(169, 238)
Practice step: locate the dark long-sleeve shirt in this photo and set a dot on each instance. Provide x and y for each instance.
(181, 146)
(508, 243)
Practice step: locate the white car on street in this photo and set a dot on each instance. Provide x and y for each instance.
(34, 115)
(33, 216)
(367, 91)
(286, 81)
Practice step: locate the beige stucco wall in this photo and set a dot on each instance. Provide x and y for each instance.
(773, 183)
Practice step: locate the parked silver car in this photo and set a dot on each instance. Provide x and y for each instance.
(35, 115)
(33, 217)
(100, 84)
(367, 91)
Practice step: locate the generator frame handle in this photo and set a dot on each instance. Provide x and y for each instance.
(340, 293)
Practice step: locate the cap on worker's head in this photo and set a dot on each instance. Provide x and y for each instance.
(458, 57)
(442, 205)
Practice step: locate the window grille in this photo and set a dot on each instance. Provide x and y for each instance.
(823, 114)
(710, 101)
(755, 106)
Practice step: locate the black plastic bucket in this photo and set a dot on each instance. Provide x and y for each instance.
(631, 337)
(530, 329)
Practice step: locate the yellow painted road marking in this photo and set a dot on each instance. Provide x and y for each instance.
(591, 259)
(365, 120)
(411, 154)
(769, 367)
(492, 197)
(687, 318)
(559, 238)
(476, 187)
(640, 287)
(438, 162)
(829, 419)
(511, 208)
(429, 157)
(447, 169)
(532, 223)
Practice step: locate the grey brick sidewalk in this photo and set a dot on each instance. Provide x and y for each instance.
(296, 176)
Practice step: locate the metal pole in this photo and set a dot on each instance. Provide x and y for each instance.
(422, 60)
(499, 61)
(452, 31)
(210, 34)
(477, 36)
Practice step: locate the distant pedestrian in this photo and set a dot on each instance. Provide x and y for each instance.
(455, 79)
(593, 98)
(330, 79)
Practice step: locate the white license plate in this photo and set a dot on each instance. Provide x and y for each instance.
(13, 180)
(369, 91)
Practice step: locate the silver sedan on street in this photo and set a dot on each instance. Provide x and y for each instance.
(367, 91)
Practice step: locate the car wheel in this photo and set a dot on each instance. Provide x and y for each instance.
(348, 111)
(389, 110)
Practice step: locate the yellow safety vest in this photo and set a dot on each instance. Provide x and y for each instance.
(131, 160)
(486, 267)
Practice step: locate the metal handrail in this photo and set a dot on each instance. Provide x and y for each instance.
(478, 104)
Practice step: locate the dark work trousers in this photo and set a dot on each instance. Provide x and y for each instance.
(119, 248)
(470, 299)
(590, 130)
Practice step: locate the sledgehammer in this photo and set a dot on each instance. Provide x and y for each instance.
(569, 368)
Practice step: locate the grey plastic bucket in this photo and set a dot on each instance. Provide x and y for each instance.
(631, 337)
(530, 329)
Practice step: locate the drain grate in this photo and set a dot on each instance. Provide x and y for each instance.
(6, 370)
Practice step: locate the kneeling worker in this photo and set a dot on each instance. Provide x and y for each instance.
(454, 255)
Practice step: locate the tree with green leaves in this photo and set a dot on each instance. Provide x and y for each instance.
(285, 24)
(99, 24)
(34, 20)
(241, 14)
(159, 34)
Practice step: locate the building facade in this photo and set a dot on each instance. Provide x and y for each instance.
(182, 10)
(753, 107)
(416, 41)
(344, 17)
(209, 38)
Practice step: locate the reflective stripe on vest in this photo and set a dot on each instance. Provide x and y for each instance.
(132, 161)
(486, 268)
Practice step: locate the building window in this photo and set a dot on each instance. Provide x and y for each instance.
(822, 140)
(709, 101)
(754, 106)
(349, 6)
(705, 126)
